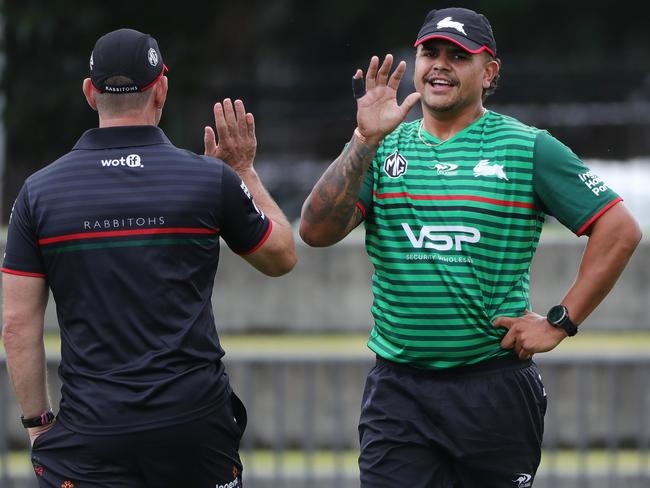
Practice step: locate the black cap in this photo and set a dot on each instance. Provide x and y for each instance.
(129, 53)
(462, 26)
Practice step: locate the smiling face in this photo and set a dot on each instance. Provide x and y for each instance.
(450, 79)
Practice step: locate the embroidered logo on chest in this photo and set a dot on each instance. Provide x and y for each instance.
(484, 168)
(395, 165)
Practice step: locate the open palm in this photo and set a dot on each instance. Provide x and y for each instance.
(378, 112)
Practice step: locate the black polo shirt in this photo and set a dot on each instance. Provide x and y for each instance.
(125, 229)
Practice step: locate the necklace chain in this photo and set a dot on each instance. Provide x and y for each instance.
(425, 142)
(436, 144)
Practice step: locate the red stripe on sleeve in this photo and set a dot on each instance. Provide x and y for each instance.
(262, 241)
(582, 229)
(362, 208)
(23, 273)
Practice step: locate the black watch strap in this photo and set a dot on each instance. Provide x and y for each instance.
(44, 419)
(558, 316)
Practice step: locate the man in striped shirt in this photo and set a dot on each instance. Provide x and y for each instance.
(125, 231)
(453, 206)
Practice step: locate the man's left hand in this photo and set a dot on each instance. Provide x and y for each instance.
(34, 432)
(529, 334)
(236, 131)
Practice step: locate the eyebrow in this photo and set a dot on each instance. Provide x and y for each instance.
(453, 49)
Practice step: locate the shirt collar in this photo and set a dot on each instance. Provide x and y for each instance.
(121, 136)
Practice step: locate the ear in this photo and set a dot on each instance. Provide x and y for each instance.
(492, 68)
(89, 93)
(160, 93)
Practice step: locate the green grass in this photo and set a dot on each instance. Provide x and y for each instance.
(262, 461)
(354, 345)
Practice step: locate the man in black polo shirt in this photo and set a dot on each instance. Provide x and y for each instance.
(125, 231)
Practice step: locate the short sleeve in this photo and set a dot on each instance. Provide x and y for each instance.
(364, 201)
(566, 188)
(22, 253)
(244, 227)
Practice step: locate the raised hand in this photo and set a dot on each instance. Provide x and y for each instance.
(378, 113)
(236, 132)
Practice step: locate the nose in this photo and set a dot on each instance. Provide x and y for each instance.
(441, 63)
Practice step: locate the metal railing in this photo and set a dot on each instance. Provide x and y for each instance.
(303, 412)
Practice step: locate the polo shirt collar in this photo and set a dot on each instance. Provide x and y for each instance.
(122, 136)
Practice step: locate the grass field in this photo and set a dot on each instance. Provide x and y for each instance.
(587, 343)
(294, 462)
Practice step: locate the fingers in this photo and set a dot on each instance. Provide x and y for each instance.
(220, 121)
(506, 322)
(396, 77)
(240, 115)
(382, 74)
(371, 75)
(512, 341)
(409, 102)
(358, 85)
(209, 141)
(378, 75)
(229, 113)
(508, 341)
(250, 124)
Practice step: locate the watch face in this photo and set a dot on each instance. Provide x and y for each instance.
(556, 314)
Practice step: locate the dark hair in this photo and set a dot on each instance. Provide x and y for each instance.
(495, 82)
(119, 103)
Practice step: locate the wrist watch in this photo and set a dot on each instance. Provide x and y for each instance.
(43, 419)
(558, 316)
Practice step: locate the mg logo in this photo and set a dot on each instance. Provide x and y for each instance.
(442, 237)
(395, 165)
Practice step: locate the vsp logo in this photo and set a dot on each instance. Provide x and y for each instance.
(132, 161)
(395, 165)
(442, 237)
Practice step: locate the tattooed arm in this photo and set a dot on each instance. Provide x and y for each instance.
(330, 211)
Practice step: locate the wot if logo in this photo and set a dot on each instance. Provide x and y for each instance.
(395, 165)
(442, 237)
(132, 161)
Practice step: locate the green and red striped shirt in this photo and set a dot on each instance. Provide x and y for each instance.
(451, 229)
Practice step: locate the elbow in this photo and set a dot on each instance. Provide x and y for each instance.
(11, 332)
(282, 265)
(630, 237)
(312, 237)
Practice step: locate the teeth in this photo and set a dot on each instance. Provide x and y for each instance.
(440, 82)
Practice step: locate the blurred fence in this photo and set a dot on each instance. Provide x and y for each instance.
(303, 413)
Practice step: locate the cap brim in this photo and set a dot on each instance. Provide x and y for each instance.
(467, 44)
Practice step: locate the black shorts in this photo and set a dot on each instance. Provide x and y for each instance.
(478, 426)
(201, 453)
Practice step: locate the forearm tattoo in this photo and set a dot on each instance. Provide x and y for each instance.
(333, 199)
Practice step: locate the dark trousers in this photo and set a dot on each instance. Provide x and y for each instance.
(478, 426)
(200, 453)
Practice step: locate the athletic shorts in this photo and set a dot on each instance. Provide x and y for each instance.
(200, 453)
(476, 426)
